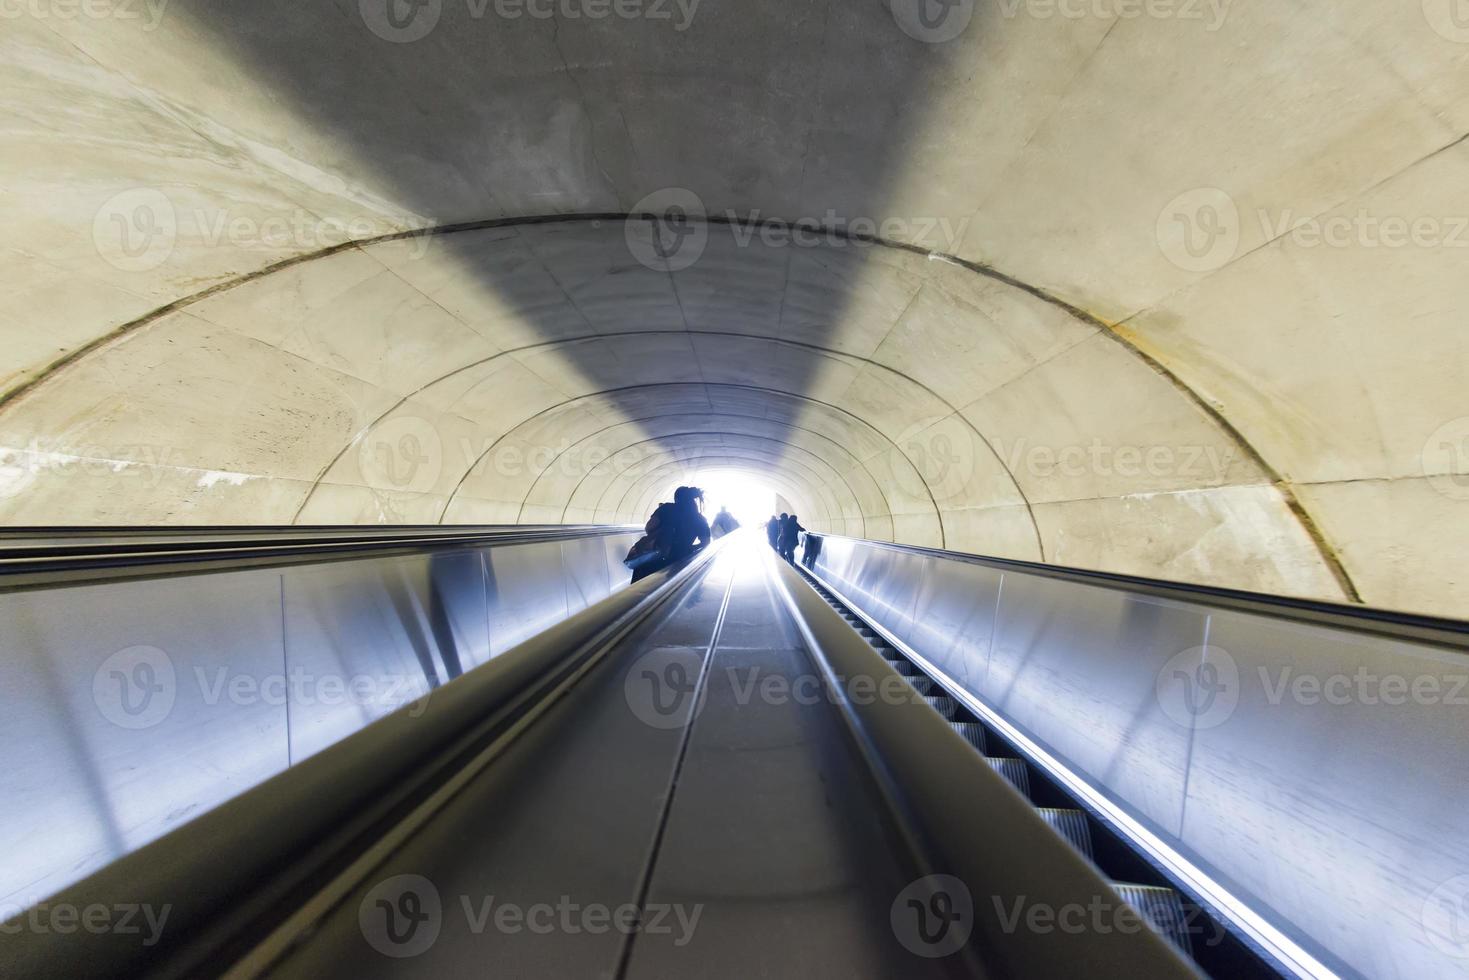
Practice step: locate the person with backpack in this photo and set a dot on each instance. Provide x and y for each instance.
(676, 530)
(812, 554)
(790, 534)
(772, 530)
(724, 522)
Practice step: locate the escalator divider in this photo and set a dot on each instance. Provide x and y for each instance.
(960, 818)
(234, 875)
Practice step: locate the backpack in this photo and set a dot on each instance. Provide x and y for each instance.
(656, 544)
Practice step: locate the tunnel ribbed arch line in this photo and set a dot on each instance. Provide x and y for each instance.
(795, 479)
(1325, 550)
(358, 436)
(811, 403)
(811, 474)
(649, 498)
(735, 336)
(659, 439)
(713, 432)
(649, 487)
(897, 454)
(179, 305)
(769, 463)
(652, 490)
(815, 496)
(719, 416)
(770, 460)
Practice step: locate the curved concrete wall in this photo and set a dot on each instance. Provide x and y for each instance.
(1172, 292)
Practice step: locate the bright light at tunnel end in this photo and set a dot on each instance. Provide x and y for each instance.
(747, 497)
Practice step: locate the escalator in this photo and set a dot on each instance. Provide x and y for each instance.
(1176, 916)
(687, 780)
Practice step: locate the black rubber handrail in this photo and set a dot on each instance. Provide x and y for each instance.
(1389, 622)
(37, 560)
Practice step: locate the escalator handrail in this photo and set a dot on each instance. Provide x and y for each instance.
(237, 868)
(1359, 618)
(37, 561)
(959, 812)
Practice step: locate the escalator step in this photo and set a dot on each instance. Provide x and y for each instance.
(1163, 908)
(972, 731)
(904, 667)
(943, 705)
(921, 683)
(1014, 771)
(1072, 825)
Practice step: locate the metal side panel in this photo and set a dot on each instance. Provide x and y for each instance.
(364, 638)
(588, 574)
(876, 578)
(134, 705)
(991, 854)
(116, 727)
(1076, 667)
(954, 619)
(1300, 766)
(1329, 779)
(242, 867)
(532, 868)
(527, 590)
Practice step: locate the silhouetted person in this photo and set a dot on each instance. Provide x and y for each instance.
(812, 552)
(724, 522)
(790, 533)
(772, 530)
(675, 531)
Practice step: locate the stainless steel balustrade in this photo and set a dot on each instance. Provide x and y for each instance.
(137, 697)
(1309, 760)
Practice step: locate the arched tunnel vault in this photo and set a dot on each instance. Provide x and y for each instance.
(795, 487)
(369, 398)
(843, 439)
(216, 313)
(780, 451)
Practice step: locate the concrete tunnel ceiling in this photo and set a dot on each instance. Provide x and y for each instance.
(1177, 293)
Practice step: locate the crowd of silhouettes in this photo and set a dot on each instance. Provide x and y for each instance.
(677, 529)
(784, 533)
